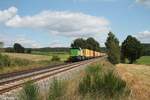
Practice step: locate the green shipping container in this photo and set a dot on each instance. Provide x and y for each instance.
(74, 52)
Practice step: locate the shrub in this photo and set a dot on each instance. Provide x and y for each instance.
(85, 85)
(4, 61)
(30, 92)
(55, 58)
(92, 70)
(56, 90)
(113, 84)
(96, 81)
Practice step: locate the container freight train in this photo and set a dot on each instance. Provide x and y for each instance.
(78, 54)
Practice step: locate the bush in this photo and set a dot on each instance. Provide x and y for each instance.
(56, 90)
(30, 92)
(112, 84)
(4, 61)
(95, 81)
(55, 58)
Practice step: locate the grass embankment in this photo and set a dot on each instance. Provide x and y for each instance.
(144, 60)
(138, 79)
(11, 62)
(97, 82)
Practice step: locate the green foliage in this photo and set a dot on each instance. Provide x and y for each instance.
(97, 82)
(18, 48)
(90, 43)
(146, 49)
(113, 49)
(9, 49)
(28, 50)
(30, 92)
(56, 90)
(93, 44)
(4, 60)
(79, 43)
(113, 84)
(131, 49)
(55, 58)
(92, 70)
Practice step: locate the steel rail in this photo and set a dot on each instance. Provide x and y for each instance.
(66, 68)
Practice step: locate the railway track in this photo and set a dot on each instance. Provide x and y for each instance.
(8, 83)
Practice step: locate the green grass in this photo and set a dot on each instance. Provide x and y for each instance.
(145, 60)
(62, 55)
(97, 82)
(56, 90)
(30, 92)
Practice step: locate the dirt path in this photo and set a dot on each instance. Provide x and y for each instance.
(138, 79)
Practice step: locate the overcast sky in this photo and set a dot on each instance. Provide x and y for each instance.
(56, 23)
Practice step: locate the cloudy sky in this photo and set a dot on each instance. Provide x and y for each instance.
(56, 23)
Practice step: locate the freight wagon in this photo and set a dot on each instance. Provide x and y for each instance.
(78, 54)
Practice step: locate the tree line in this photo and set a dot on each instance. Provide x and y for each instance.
(89, 43)
(130, 49)
(18, 48)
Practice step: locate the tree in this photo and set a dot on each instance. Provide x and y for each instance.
(113, 49)
(90, 43)
(131, 49)
(79, 43)
(93, 44)
(18, 48)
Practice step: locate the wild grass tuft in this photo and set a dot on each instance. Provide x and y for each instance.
(55, 58)
(30, 92)
(97, 82)
(56, 90)
(6, 61)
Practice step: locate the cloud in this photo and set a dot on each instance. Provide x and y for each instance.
(144, 2)
(144, 36)
(65, 23)
(27, 42)
(56, 43)
(22, 39)
(7, 14)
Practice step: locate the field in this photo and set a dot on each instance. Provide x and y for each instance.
(30, 57)
(138, 79)
(145, 60)
(62, 55)
(21, 61)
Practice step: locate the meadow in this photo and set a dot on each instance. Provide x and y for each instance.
(145, 60)
(11, 62)
(63, 55)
